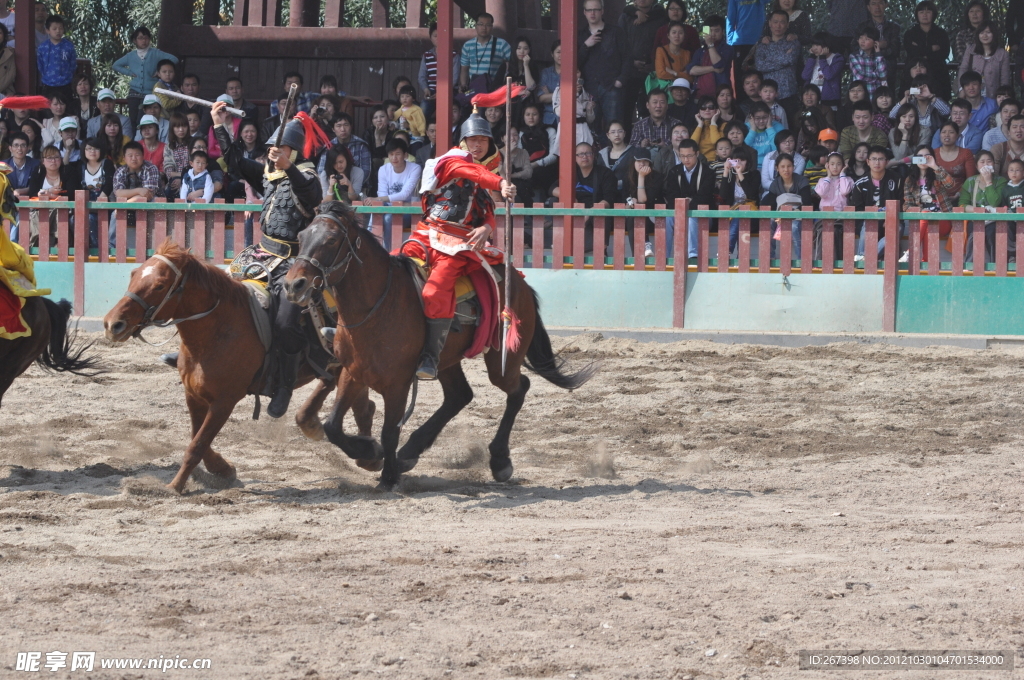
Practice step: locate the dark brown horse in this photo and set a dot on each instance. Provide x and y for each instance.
(221, 353)
(51, 344)
(381, 331)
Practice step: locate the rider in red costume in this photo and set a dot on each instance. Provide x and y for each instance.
(458, 218)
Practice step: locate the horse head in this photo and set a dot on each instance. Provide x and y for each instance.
(327, 248)
(154, 293)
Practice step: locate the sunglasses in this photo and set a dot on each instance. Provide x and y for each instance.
(708, 108)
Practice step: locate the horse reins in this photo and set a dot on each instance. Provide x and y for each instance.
(149, 311)
(328, 271)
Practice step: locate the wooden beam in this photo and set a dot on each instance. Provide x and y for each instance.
(334, 13)
(24, 55)
(443, 108)
(255, 12)
(241, 16)
(567, 109)
(211, 13)
(415, 14)
(380, 14)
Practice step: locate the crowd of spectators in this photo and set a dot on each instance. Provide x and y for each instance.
(753, 108)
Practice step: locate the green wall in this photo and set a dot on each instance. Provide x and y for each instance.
(770, 302)
(603, 299)
(960, 304)
(59, 277)
(106, 284)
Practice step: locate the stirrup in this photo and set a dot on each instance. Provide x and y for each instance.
(427, 369)
(170, 359)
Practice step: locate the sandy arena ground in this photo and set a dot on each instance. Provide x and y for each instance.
(696, 511)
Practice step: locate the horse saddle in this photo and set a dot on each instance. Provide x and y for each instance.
(467, 307)
(261, 306)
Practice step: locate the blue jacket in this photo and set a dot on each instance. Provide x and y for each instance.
(56, 63)
(143, 72)
(970, 138)
(744, 21)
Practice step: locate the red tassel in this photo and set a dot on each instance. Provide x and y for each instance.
(315, 135)
(512, 337)
(497, 98)
(25, 103)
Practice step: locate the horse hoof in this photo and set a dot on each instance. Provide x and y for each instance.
(503, 474)
(313, 432)
(383, 486)
(406, 464)
(371, 465)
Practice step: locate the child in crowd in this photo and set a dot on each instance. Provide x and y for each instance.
(833, 190)
(410, 116)
(883, 101)
(151, 107)
(141, 65)
(195, 122)
(390, 106)
(857, 165)
(867, 63)
(829, 139)
(815, 168)
(723, 147)
(769, 95)
(825, 69)
(165, 81)
(1013, 192)
(197, 185)
(56, 59)
(761, 137)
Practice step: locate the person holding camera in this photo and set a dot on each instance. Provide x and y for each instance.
(345, 179)
(929, 188)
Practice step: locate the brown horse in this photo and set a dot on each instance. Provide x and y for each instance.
(50, 343)
(380, 335)
(221, 353)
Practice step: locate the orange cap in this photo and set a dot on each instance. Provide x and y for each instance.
(828, 133)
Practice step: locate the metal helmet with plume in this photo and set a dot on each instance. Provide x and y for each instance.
(476, 125)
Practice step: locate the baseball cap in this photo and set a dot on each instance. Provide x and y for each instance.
(148, 120)
(828, 133)
(227, 98)
(641, 154)
(68, 123)
(680, 82)
(788, 199)
(150, 99)
(105, 93)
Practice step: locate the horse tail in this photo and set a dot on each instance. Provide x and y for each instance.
(64, 352)
(542, 360)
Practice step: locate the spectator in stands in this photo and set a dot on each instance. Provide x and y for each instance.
(83, 104)
(722, 151)
(694, 179)
(523, 69)
(113, 139)
(586, 113)
(166, 81)
(56, 59)
(595, 184)
(412, 115)
(231, 125)
(40, 13)
(141, 65)
(427, 76)
(654, 130)
(856, 92)
(197, 184)
(325, 107)
(931, 111)
(541, 142)
(985, 191)
(199, 144)
(861, 131)
(785, 145)
(344, 181)
(751, 91)
(233, 88)
(618, 154)
(874, 189)
(929, 188)
(986, 56)
(676, 11)
(744, 22)
(549, 82)
(707, 132)
(857, 164)
(929, 42)
(1013, 195)
(378, 134)
(522, 170)
(681, 105)
(789, 182)
(31, 129)
(195, 127)
(957, 160)
(428, 150)
(176, 158)
(50, 127)
(728, 109)
(663, 158)
(761, 137)
(825, 69)
(137, 181)
(68, 145)
(1008, 108)
(152, 147)
(741, 186)
(483, 58)
(709, 68)
(151, 107)
(778, 59)
(834, 188)
(882, 109)
(888, 40)
(810, 125)
(906, 135)
(397, 180)
(736, 132)
(190, 85)
(639, 23)
(769, 95)
(51, 181)
(867, 63)
(96, 177)
(272, 123)
(976, 14)
(7, 21)
(1003, 153)
(799, 22)
(982, 108)
(604, 61)
(21, 165)
(969, 137)
(343, 102)
(644, 189)
(671, 60)
(357, 148)
(105, 102)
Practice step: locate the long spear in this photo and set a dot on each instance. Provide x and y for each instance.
(507, 315)
(196, 100)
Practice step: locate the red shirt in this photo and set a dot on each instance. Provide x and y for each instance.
(156, 156)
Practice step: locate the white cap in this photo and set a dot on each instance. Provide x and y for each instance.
(227, 98)
(68, 123)
(788, 199)
(680, 82)
(148, 120)
(105, 93)
(150, 99)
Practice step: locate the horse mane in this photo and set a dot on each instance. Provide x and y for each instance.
(212, 278)
(350, 218)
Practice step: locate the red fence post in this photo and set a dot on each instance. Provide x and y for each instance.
(81, 249)
(890, 266)
(680, 261)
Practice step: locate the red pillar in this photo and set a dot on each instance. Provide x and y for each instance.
(568, 17)
(25, 39)
(443, 112)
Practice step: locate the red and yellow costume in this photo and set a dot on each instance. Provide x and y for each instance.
(456, 200)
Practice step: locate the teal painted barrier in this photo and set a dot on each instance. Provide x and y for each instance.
(960, 304)
(771, 302)
(59, 277)
(603, 299)
(105, 283)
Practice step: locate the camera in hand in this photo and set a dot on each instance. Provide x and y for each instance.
(919, 160)
(915, 90)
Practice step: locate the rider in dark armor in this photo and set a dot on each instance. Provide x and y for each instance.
(291, 194)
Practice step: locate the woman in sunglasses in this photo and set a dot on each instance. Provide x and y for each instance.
(707, 133)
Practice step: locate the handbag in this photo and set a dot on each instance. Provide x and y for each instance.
(653, 82)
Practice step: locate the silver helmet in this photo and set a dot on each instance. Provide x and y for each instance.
(476, 126)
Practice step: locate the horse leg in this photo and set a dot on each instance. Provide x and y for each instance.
(363, 410)
(515, 385)
(308, 416)
(457, 394)
(359, 448)
(394, 410)
(207, 421)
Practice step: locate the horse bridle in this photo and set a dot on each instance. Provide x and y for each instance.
(149, 311)
(338, 263)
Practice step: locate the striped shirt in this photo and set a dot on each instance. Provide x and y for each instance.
(479, 59)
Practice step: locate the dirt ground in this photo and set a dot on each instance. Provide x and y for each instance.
(696, 511)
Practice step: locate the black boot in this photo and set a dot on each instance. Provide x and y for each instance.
(288, 371)
(171, 359)
(437, 333)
